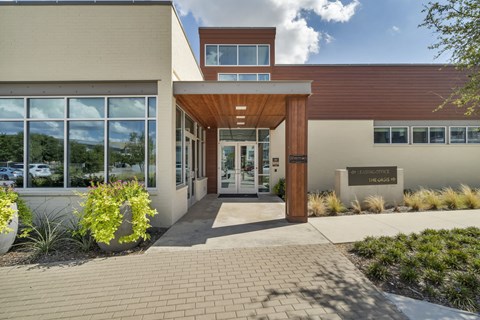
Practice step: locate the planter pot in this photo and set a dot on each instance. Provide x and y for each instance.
(125, 229)
(7, 239)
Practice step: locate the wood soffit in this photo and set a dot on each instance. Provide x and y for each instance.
(219, 110)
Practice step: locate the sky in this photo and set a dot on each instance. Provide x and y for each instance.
(323, 31)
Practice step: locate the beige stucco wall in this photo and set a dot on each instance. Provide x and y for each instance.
(337, 144)
(185, 67)
(84, 42)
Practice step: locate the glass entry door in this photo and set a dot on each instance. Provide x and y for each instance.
(237, 171)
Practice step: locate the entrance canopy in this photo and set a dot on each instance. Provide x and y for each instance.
(224, 104)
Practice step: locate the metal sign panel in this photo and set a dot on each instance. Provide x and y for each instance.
(368, 176)
(297, 158)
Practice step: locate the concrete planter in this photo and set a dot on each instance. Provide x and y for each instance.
(7, 239)
(125, 229)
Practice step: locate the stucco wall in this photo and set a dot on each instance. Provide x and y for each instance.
(84, 42)
(337, 144)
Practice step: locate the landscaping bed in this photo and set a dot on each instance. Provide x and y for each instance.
(68, 251)
(439, 266)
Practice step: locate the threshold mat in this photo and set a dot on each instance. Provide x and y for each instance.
(238, 195)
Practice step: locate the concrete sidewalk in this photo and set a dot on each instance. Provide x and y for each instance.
(353, 228)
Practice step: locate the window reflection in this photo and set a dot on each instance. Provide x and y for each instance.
(86, 153)
(126, 150)
(152, 155)
(152, 107)
(227, 55)
(45, 154)
(247, 55)
(11, 108)
(46, 108)
(11, 153)
(126, 107)
(86, 108)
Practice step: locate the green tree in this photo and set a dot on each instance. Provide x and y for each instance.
(457, 25)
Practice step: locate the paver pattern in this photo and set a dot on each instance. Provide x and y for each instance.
(296, 282)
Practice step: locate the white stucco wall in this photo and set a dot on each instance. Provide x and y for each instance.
(337, 144)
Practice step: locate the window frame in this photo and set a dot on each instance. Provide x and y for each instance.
(66, 120)
(390, 135)
(237, 76)
(428, 135)
(238, 59)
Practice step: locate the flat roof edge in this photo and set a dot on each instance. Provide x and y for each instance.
(246, 87)
(86, 2)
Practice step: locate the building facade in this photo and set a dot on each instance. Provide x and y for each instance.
(106, 91)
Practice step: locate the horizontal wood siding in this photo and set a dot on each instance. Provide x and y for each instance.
(404, 92)
(211, 160)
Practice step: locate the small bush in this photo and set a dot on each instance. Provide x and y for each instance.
(279, 188)
(356, 207)
(46, 234)
(471, 198)
(316, 205)
(461, 298)
(377, 271)
(409, 275)
(468, 280)
(334, 205)
(434, 277)
(431, 199)
(368, 248)
(452, 199)
(375, 204)
(414, 201)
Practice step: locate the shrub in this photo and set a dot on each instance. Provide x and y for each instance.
(471, 198)
(408, 274)
(461, 298)
(375, 203)
(377, 271)
(368, 248)
(434, 277)
(432, 199)
(7, 197)
(414, 201)
(316, 205)
(279, 188)
(101, 211)
(334, 205)
(452, 199)
(47, 234)
(356, 207)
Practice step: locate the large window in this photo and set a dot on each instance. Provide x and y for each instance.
(464, 135)
(77, 141)
(433, 135)
(237, 55)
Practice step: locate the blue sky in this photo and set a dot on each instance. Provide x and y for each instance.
(379, 31)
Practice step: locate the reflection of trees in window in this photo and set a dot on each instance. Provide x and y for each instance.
(11, 147)
(86, 164)
(45, 149)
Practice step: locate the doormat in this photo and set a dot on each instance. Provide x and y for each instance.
(238, 195)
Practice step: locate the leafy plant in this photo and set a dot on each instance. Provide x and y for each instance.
(101, 214)
(334, 205)
(279, 188)
(452, 199)
(375, 203)
(83, 242)
(7, 213)
(408, 274)
(47, 234)
(316, 205)
(7, 197)
(471, 198)
(377, 271)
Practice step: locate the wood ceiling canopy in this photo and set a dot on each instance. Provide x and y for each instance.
(214, 104)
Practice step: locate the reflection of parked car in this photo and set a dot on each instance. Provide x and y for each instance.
(10, 173)
(39, 170)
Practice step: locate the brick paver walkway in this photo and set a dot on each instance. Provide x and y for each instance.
(300, 282)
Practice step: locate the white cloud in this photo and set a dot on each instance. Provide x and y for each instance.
(394, 30)
(296, 40)
(327, 38)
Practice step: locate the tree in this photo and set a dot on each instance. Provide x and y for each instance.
(457, 24)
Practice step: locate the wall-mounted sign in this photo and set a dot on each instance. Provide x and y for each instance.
(275, 162)
(367, 176)
(297, 158)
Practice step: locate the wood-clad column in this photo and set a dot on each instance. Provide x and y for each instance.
(296, 158)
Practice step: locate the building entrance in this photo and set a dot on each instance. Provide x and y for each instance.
(237, 170)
